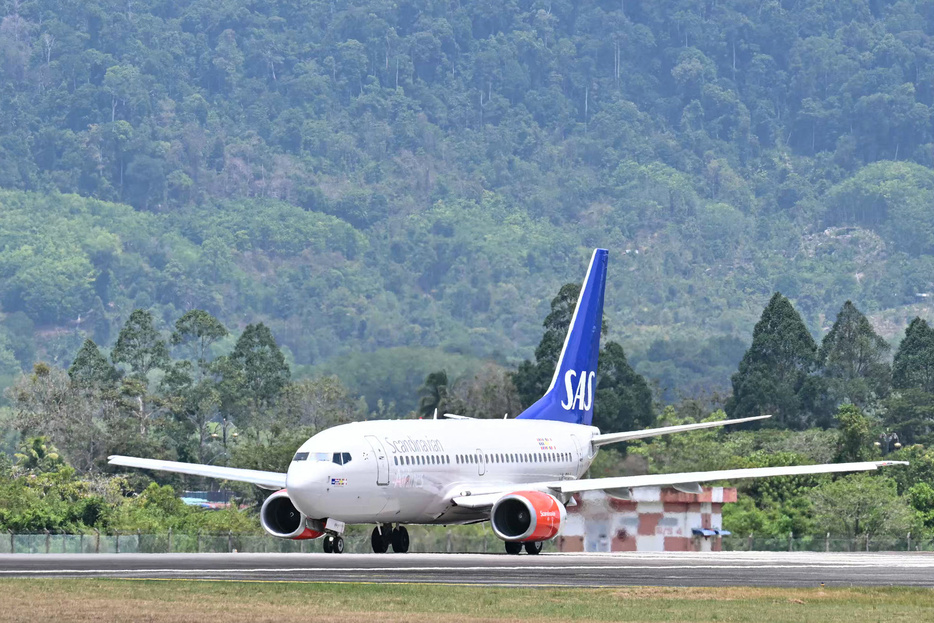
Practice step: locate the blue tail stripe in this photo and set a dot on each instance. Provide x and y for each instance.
(570, 396)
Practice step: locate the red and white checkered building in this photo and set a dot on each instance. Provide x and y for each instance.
(654, 520)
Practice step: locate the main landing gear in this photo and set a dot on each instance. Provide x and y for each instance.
(333, 544)
(384, 536)
(532, 547)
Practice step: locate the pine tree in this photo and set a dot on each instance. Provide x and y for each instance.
(91, 369)
(140, 346)
(852, 359)
(533, 378)
(775, 369)
(623, 398)
(913, 367)
(261, 365)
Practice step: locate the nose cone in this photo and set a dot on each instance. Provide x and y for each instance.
(305, 482)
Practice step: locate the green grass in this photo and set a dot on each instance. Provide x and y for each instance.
(285, 602)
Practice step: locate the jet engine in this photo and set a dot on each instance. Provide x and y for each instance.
(527, 516)
(280, 518)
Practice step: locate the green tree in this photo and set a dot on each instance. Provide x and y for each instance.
(852, 357)
(140, 346)
(857, 436)
(198, 330)
(861, 505)
(910, 414)
(258, 367)
(623, 399)
(433, 394)
(913, 366)
(773, 371)
(91, 369)
(533, 378)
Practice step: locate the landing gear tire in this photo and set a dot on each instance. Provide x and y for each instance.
(328, 545)
(380, 541)
(534, 547)
(338, 546)
(513, 548)
(400, 540)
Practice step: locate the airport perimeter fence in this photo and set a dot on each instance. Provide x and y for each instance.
(826, 543)
(422, 541)
(139, 543)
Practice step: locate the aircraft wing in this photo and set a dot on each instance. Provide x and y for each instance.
(691, 478)
(265, 480)
(689, 482)
(602, 440)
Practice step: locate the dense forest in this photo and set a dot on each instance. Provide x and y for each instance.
(410, 181)
(269, 217)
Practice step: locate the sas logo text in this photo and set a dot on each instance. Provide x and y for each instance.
(579, 388)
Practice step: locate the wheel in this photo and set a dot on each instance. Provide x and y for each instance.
(328, 545)
(400, 540)
(513, 548)
(534, 547)
(338, 546)
(378, 541)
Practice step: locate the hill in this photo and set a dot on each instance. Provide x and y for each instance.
(369, 175)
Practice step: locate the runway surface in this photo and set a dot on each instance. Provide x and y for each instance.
(580, 570)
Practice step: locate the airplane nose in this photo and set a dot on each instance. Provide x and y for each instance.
(306, 486)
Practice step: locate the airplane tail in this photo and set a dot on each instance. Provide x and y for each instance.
(569, 398)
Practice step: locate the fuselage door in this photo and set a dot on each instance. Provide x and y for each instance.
(481, 462)
(580, 454)
(382, 463)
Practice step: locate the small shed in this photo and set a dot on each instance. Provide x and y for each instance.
(654, 519)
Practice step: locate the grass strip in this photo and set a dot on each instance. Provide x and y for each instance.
(183, 601)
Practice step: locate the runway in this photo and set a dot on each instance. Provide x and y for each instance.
(580, 570)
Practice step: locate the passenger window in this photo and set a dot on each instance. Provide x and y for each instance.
(406, 460)
(395, 460)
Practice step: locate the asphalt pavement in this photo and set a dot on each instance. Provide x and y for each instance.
(789, 569)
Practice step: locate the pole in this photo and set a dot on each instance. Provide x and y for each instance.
(230, 541)
(867, 541)
(48, 541)
(199, 542)
(117, 546)
(749, 547)
(12, 543)
(827, 542)
(791, 541)
(97, 541)
(909, 541)
(170, 541)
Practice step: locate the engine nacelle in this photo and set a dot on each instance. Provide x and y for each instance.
(280, 518)
(527, 516)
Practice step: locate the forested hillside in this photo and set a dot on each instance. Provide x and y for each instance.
(408, 181)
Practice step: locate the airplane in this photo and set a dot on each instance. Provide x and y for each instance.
(519, 474)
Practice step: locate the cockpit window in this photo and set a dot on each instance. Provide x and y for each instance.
(300, 456)
(341, 458)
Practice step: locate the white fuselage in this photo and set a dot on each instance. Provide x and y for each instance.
(407, 471)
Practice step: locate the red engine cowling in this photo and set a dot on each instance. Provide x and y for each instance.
(527, 516)
(280, 518)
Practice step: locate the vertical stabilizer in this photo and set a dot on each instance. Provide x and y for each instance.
(570, 396)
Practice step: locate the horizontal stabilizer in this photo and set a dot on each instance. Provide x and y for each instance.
(602, 440)
(266, 480)
(692, 479)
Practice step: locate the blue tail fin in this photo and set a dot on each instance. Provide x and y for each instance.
(570, 396)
